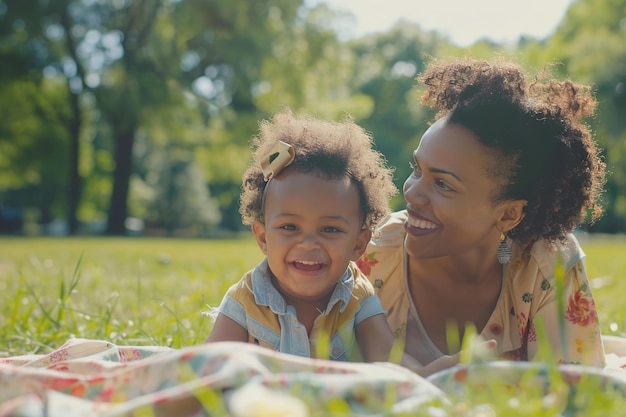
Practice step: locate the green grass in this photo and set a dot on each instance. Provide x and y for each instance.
(152, 291)
(140, 291)
(129, 291)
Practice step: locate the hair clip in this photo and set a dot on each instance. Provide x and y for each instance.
(281, 156)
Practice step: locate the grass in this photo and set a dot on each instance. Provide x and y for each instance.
(129, 291)
(152, 291)
(140, 291)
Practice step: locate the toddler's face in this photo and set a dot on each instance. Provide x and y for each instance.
(312, 230)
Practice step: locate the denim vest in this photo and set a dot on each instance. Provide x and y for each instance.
(258, 307)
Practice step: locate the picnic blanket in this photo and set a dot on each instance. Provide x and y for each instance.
(97, 378)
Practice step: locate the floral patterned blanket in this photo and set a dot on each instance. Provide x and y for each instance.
(97, 378)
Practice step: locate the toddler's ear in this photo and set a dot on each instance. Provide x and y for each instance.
(258, 229)
(361, 243)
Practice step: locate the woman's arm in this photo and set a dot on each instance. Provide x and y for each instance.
(376, 341)
(227, 329)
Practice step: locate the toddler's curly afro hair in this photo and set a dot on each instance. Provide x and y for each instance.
(329, 149)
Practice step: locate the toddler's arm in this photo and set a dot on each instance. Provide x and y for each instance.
(375, 339)
(227, 329)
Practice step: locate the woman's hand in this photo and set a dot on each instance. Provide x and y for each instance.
(482, 351)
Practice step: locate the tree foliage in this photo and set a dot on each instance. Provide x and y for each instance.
(589, 46)
(145, 108)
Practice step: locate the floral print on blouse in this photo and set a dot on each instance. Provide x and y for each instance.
(528, 295)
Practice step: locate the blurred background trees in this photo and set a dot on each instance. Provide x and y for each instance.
(135, 116)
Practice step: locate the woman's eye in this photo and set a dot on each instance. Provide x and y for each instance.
(416, 168)
(443, 185)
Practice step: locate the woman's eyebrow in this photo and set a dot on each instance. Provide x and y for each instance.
(437, 170)
(443, 171)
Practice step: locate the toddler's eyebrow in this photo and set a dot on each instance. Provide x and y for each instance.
(339, 218)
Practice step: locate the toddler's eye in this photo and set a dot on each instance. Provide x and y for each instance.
(331, 229)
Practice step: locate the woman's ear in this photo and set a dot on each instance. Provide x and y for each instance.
(362, 241)
(258, 229)
(512, 214)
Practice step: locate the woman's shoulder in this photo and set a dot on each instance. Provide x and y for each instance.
(362, 287)
(385, 250)
(390, 231)
(545, 254)
(383, 259)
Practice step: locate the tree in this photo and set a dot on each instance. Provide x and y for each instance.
(34, 42)
(217, 44)
(183, 201)
(588, 46)
(385, 69)
(130, 84)
(33, 143)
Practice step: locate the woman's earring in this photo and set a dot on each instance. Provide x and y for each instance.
(504, 250)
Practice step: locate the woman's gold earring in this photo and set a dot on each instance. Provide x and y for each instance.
(504, 250)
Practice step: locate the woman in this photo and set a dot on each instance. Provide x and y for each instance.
(500, 181)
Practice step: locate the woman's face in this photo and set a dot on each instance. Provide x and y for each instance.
(448, 195)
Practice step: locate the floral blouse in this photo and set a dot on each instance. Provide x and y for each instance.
(528, 294)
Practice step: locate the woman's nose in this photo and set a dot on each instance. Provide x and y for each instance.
(415, 191)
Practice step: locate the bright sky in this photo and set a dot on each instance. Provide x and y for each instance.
(462, 21)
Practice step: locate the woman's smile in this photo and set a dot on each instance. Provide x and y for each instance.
(414, 223)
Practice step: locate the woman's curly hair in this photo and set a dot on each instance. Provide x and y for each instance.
(545, 153)
(330, 149)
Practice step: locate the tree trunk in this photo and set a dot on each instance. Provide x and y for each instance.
(121, 181)
(74, 184)
(74, 125)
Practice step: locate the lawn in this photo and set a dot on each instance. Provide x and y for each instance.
(135, 291)
(139, 291)
(148, 291)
